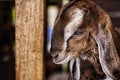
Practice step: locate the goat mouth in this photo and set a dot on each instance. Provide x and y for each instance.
(62, 60)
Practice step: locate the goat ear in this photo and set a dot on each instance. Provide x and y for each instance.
(108, 56)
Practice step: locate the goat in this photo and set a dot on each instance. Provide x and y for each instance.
(84, 36)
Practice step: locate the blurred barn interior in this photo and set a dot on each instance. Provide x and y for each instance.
(7, 40)
(7, 36)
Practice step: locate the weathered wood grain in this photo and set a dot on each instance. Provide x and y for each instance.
(29, 39)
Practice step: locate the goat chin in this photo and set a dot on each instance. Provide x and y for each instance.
(62, 61)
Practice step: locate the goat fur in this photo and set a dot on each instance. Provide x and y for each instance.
(90, 43)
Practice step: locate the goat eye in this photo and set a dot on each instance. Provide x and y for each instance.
(78, 32)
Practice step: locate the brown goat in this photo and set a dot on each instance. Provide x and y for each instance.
(84, 36)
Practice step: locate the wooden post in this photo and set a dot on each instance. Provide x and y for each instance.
(29, 39)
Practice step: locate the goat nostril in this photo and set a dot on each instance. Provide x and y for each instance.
(53, 48)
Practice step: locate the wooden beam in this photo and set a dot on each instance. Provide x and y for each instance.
(29, 39)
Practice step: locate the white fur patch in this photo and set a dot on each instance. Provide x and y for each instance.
(108, 78)
(77, 19)
(73, 25)
(71, 67)
(77, 76)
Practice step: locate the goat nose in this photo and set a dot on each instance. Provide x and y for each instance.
(53, 48)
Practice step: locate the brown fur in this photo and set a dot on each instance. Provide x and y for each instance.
(84, 45)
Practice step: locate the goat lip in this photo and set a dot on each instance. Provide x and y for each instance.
(63, 60)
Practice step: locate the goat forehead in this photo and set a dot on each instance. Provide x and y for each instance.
(65, 31)
(76, 21)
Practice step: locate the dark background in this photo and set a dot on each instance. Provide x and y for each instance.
(7, 35)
